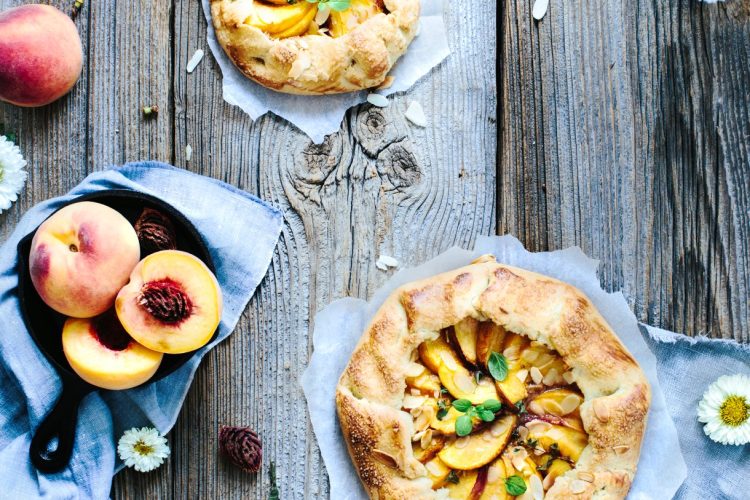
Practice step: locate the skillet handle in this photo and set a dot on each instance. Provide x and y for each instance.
(60, 423)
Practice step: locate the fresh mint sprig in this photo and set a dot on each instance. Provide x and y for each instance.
(485, 412)
(498, 366)
(337, 5)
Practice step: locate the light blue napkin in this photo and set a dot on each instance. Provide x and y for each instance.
(241, 232)
(686, 367)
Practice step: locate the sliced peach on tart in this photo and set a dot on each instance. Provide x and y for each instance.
(424, 452)
(359, 11)
(425, 382)
(494, 489)
(447, 425)
(465, 337)
(172, 303)
(490, 338)
(441, 358)
(557, 467)
(277, 19)
(103, 354)
(479, 448)
(437, 471)
(557, 402)
(513, 387)
(569, 441)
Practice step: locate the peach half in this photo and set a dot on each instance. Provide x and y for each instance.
(101, 353)
(172, 303)
(81, 257)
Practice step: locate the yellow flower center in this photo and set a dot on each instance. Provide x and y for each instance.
(734, 411)
(143, 449)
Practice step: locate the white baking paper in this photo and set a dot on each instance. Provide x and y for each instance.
(318, 116)
(661, 469)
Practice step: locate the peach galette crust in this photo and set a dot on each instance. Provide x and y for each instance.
(282, 46)
(574, 401)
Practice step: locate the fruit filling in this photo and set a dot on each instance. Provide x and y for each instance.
(495, 414)
(284, 19)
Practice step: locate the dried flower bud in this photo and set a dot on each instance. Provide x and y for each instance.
(242, 446)
(155, 232)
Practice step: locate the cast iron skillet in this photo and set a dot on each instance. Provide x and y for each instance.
(45, 326)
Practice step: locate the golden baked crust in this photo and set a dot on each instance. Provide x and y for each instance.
(371, 390)
(316, 64)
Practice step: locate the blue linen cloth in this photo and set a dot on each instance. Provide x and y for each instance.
(686, 367)
(241, 232)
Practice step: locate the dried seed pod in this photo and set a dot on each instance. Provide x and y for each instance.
(155, 232)
(242, 446)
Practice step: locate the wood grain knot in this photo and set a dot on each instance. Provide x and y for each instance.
(398, 165)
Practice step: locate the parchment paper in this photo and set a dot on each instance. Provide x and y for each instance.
(318, 116)
(661, 469)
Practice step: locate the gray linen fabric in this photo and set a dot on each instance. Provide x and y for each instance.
(241, 232)
(686, 367)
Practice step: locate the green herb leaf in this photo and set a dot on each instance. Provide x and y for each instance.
(443, 390)
(521, 406)
(515, 485)
(452, 477)
(498, 366)
(273, 494)
(554, 450)
(531, 443)
(442, 409)
(338, 5)
(463, 425)
(462, 405)
(545, 465)
(493, 405)
(486, 415)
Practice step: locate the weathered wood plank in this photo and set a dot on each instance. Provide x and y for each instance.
(380, 185)
(624, 130)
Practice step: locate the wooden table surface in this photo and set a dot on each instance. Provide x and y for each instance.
(624, 129)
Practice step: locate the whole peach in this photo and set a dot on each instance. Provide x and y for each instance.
(81, 257)
(40, 55)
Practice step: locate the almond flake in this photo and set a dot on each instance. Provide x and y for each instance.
(426, 439)
(414, 370)
(522, 374)
(388, 261)
(378, 100)
(464, 382)
(539, 9)
(536, 487)
(601, 410)
(416, 437)
(621, 449)
(493, 474)
(433, 468)
(188, 152)
(461, 442)
(381, 266)
(523, 432)
(586, 476)
(569, 404)
(415, 114)
(551, 378)
(536, 374)
(322, 16)
(299, 65)
(577, 486)
(413, 402)
(568, 377)
(193, 62)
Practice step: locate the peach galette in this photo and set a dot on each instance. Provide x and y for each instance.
(491, 382)
(315, 46)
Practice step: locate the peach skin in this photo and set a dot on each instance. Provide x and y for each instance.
(80, 258)
(40, 55)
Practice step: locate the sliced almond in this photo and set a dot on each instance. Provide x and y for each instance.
(586, 476)
(529, 356)
(385, 458)
(418, 436)
(570, 403)
(551, 378)
(413, 402)
(493, 474)
(536, 375)
(498, 428)
(523, 433)
(620, 449)
(577, 486)
(522, 374)
(461, 442)
(511, 353)
(536, 487)
(449, 361)
(433, 468)
(568, 377)
(414, 392)
(414, 370)
(322, 16)
(426, 439)
(464, 382)
(601, 410)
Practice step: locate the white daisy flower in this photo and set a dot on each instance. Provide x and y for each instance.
(12, 174)
(725, 409)
(143, 449)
